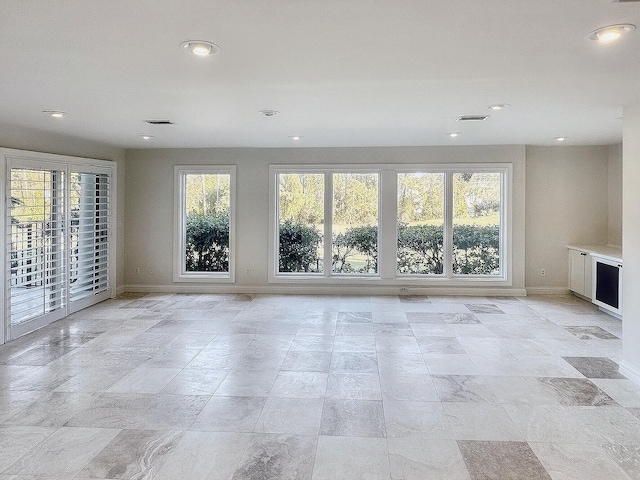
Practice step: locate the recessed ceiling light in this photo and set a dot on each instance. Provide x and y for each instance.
(611, 33)
(295, 137)
(269, 113)
(560, 139)
(453, 134)
(55, 113)
(201, 48)
(145, 137)
(499, 106)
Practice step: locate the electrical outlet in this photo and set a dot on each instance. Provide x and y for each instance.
(151, 271)
(248, 272)
(404, 289)
(137, 270)
(542, 272)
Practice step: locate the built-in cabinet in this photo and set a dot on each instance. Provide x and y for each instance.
(595, 273)
(580, 263)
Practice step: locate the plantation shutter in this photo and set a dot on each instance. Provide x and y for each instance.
(89, 235)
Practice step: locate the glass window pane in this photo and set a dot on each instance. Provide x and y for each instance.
(476, 223)
(300, 222)
(420, 223)
(355, 223)
(207, 204)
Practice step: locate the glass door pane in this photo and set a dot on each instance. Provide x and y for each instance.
(89, 235)
(35, 245)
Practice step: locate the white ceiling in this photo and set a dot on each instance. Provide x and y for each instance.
(341, 72)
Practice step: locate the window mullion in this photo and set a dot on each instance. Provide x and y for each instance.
(387, 224)
(448, 225)
(328, 224)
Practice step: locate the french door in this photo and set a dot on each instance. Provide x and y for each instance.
(57, 239)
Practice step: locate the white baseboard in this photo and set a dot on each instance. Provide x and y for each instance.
(548, 291)
(327, 290)
(630, 372)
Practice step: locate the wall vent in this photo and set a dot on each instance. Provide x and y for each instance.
(159, 122)
(472, 118)
(626, 1)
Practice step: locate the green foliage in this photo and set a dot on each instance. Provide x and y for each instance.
(360, 241)
(298, 249)
(207, 243)
(420, 249)
(476, 249)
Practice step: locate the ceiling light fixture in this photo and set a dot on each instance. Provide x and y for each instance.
(145, 137)
(55, 113)
(560, 139)
(499, 106)
(268, 113)
(611, 33)
(453, 134)
(472, 118)
(201, 48)
(295, 137)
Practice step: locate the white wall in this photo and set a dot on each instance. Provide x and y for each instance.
(567, 203)
(631, 244)
(615, 194)
(37, 141)
(149, 201)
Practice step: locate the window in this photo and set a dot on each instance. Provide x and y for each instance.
(420, 223)
(204, 246)
(354, 224)
(391, 223)
(476, 223)
(312, 206)
(300, 221)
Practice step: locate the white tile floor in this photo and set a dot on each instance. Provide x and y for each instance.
(321, 387)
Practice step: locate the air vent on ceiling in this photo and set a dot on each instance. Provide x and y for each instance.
(626, 1)
(159, 122)
(472, 118)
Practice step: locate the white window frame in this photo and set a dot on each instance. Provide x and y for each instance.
(179, 271)
(387, 225)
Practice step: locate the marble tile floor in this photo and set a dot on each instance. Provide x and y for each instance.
(321, 387)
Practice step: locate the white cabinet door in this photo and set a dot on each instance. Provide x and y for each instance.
(580, 272)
